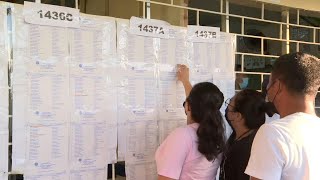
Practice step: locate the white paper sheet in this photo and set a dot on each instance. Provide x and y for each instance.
(134, 48)
(94, 40)
(173, 51)
(201, 56)
(47, 149)
(3, 176)
(4, 96)
(4, 139)
(224, 60)
(89, 174)
(197, 76)
(19, 71)
(111, 151)
(89, 145)
(47, 42)
(19, 150)
(142, 136)
(143, 171)
(169, 120)
(3, 46)
(140, 49)
(93, 93)
(3, 66)
(172, 94)
(141, 89)
(51, 176)
(43, 42)
(227, 87)
(142, 141)
(4, 108)
(123, 116)
(19, 139)
(3, 16)
(216, 58)
(47, 92)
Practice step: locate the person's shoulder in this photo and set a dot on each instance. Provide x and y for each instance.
(298, 117)
(192, 130)
(181, 132)
(180, 135)
(270, 129)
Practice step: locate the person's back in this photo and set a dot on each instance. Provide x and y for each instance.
(301, 155)
(193, 152)
(245, 113)
(196, 166)
(287, 148)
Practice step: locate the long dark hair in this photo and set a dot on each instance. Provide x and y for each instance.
(205, 100)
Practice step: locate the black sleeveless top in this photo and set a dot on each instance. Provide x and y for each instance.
(236, 158)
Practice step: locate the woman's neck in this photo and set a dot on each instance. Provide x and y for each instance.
(190, 121)
(241, 132)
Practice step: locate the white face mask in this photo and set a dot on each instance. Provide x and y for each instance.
(244, 84)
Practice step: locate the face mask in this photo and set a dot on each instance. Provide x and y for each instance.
(244, 84)
(272, 107)
(226, 116)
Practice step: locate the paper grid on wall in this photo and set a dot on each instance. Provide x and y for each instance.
(69, 92)
(144, 115)
(149, 85)
(64, 98)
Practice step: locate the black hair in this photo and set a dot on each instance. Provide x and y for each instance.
(205, 101)
(299, 72)
(253, 108)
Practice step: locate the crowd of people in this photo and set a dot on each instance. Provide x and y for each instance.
(285, 148)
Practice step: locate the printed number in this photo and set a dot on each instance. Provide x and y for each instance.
(151, 29)
(48, 15)
(56, 15)
(206, 34)
(62, 16)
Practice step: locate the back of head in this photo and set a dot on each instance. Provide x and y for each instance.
(252, 107)
(205, 100)
(299, 72)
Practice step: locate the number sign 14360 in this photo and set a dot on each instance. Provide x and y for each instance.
(43, 14)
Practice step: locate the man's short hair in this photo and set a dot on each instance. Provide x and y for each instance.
(300, 72)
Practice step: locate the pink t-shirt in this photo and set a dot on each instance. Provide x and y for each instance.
(178, 157)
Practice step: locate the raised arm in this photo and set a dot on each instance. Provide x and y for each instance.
(183, 76)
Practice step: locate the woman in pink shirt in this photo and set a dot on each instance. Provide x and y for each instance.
(194, 152)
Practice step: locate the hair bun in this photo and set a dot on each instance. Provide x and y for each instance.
(269, 108)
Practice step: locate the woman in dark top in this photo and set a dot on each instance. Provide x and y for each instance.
(245, 113)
